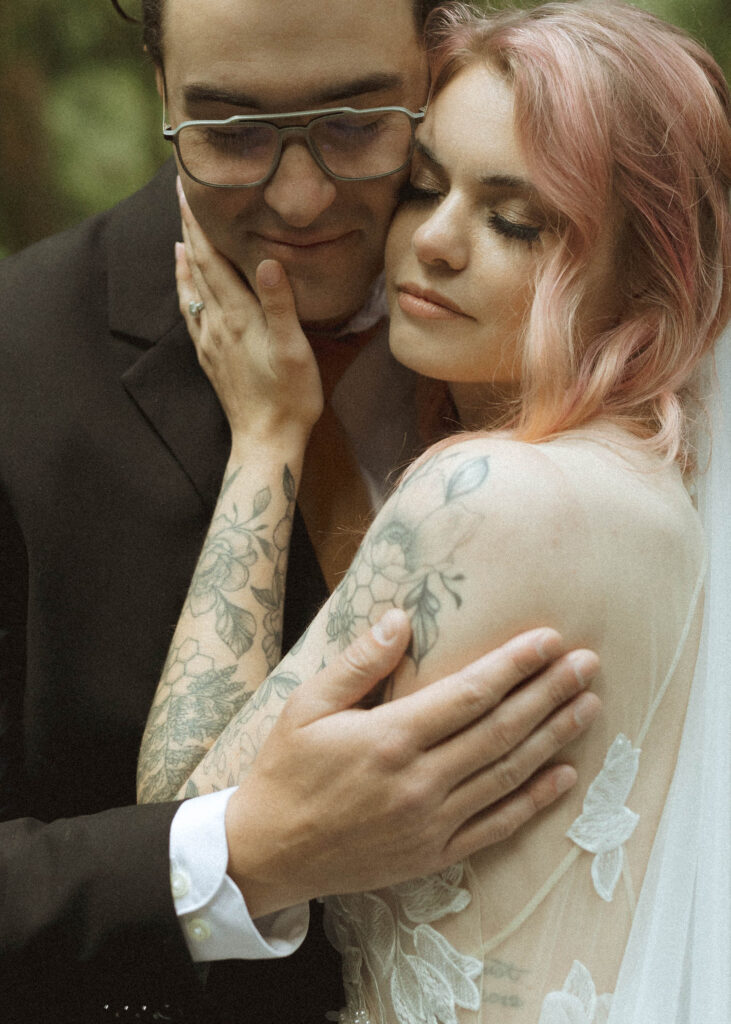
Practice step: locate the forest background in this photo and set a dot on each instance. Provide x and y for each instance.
(80, 123)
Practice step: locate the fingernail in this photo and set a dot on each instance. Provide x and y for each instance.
(584, 664)
(179, 250)
(386, 629)
(564, 779)
(181, 193)
(548, 644)
(270, 273)
(585, 710)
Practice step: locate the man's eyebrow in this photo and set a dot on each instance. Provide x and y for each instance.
(509, 182)
(201, 92)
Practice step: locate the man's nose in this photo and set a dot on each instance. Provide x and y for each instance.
(300, 190)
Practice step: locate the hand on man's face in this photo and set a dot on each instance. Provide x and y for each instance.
(275, 56)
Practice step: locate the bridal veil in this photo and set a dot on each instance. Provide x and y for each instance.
(677, 965)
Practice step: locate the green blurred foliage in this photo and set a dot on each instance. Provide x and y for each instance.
(81, 117)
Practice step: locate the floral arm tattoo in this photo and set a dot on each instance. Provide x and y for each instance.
(229, 633)
(407, 559)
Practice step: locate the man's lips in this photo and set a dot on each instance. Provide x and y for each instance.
(304, 243)
(427, 304)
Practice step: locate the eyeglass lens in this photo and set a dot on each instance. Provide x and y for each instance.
(348, 145)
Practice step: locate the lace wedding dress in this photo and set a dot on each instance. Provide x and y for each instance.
(539, 929)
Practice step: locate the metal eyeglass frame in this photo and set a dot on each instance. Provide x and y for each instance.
(171, 134)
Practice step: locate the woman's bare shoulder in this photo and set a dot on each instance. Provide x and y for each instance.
(594, 478)
(480, 540)
(518, 484)
(491, 536)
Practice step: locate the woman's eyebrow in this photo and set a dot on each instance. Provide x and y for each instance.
(499, 181)
(507, 181)
(423, 150)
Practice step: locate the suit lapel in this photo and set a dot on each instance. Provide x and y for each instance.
(169, 387)
(165, 381)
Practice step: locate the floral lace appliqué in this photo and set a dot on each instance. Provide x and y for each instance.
(577, 1002)
(425, 977)
(605, 823)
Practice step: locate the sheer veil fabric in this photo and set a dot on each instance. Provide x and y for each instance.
(677, 964)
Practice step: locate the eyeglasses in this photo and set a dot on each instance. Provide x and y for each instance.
(244, 150)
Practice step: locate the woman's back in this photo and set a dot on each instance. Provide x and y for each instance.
(615, 557)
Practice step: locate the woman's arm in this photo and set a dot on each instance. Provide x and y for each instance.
(229, 632)
(448, 549)
(343, 798)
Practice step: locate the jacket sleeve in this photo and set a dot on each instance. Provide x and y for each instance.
(85, 902)
(75, 888)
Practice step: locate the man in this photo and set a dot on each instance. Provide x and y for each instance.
(113, 445)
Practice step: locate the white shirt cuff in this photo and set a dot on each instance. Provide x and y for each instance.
(211, 910)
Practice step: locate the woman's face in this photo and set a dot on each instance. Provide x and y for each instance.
(463, 248)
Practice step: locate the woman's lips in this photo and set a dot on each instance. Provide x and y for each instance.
(428, 305)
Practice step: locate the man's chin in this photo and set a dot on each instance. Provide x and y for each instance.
(318, 307)
(320, 312)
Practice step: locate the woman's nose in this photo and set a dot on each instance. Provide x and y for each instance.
(443, 237)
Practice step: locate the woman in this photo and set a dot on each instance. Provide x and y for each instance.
(561, 261)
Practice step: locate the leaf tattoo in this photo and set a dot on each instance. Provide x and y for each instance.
(195, 700)
(232, 547)
(407, 559)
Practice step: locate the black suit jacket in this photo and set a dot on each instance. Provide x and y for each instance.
(112, 448)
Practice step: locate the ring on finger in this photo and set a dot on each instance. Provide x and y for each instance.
(194, 308)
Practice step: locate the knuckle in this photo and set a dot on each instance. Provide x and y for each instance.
(233, 323)
(277, 307)
(509, 775)
(392, 753)
(202, 260)
(415, 803)
(505, 823)
(472, 695)
(358, 658)
(523, 662)
(503, 735)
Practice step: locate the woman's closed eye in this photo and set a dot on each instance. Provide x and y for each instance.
(509, 227)
(413, 193)
(514, 229)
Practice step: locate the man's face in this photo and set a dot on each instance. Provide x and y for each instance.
(226, 57)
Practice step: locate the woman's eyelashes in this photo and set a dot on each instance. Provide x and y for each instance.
(412, 193)
(517, 230)
(507, 227)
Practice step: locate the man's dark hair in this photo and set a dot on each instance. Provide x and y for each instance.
(152, 22)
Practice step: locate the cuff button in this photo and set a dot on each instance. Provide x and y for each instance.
(199, 930)
(180, 884)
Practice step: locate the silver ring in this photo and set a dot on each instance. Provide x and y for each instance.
(194, 308)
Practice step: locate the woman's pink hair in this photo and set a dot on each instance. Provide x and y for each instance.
(620, 115)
